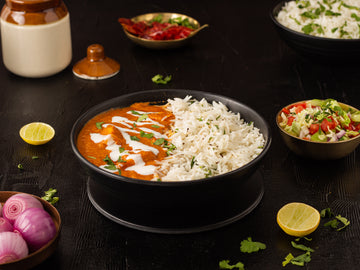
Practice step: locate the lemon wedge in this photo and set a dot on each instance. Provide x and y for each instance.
(37, 133)
(298, 219)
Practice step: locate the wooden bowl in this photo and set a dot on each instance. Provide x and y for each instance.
(34, 258)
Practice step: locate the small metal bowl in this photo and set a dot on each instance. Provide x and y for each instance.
(318, 150)
(316, 48)
(37, 257)
(163, 44)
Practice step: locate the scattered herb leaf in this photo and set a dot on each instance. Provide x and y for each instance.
(134, 138)
(35, 157)
(99, 125)
(224, 264)
(301, 247)
(249, 246)
(160, 79)
(49, 196)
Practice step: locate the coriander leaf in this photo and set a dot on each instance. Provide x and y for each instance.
(99, 125)
(91, 157)
(108, 160)
(121, 149)
(159, 141)
(326, 213)
(192, 162)
(142, 117)
(155, 126)
(158, 18)
(224, 264)
(332, 223)
(35, 157)
(301, 247)
(343, 221)
(121, 160)
(307, 29)
(146, 135)
(249, 246)
(49, 196)
(134, 138)
(357, 18)
(301, 259)
(288, 259)
(350, 7)
(111, 167)
(159, 79)
(331, 13)
(310, 15)
(135, 112)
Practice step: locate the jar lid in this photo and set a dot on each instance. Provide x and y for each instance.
(96, 66)
(32, 5)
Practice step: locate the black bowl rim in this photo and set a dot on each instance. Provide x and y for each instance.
(167, 183)
(312, 142)
(303, 35)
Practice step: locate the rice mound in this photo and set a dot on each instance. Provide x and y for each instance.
(209, 139)
(323, 18)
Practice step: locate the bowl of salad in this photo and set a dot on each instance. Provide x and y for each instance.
(320, 129)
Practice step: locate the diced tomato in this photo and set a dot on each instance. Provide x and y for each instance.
(313, 128)
(357, 127)
(299, 107)
(285, 110)
(327, 125)
(306, 138)
(290, 120)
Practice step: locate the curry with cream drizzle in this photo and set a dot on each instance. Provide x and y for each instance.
(128, 141)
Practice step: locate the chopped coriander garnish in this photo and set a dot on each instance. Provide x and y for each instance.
(35, 157)
(146, 135)
(99, 125)
(134, 138)
(91, 157)
(224, 264)
(159, 141)
(121, 149)
(331, 13)
(135, 112)
(142, 117)
(155, 126)
(159, 79)
(357, 18)
(249, 246)
(192, 162)
(49, 196)
(301, 247)
(121, 160)
(108, 160)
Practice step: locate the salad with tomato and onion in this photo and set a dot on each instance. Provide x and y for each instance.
(320, 121)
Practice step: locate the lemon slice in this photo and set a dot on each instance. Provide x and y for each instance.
(37, 133)
(298, 219)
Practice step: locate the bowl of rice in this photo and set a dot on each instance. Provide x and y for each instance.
(326, 30)
(208, 178)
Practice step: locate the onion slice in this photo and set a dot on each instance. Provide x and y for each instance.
(12, 247)
(36, 227)
(5, 225)
(17, 204)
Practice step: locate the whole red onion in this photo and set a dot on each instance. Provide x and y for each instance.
(12, 247)
(36, 227)
(17, 204)
(5, 225)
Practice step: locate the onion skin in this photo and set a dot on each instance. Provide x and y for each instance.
(1, 207)
(36, 227)
(5, 225)
(17, 204)
(12, 247)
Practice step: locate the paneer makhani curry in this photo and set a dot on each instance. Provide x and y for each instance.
(128, 141)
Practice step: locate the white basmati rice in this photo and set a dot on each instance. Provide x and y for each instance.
(323, 18)
(209, 139)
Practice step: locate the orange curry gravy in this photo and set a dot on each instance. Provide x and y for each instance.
(128, 141)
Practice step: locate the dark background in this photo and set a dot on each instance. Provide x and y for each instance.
(241, 56)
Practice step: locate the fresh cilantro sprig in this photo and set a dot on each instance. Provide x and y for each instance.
(160, 79)
(49, 196)
(336, 221)
(302, 258)
(224, 264)
(248, 246)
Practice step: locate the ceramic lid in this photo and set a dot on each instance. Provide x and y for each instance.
(96, 66)
(32, 5)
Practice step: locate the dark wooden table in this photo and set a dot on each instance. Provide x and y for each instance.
(241, 56)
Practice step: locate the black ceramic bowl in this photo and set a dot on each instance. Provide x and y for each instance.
(318, 150)
(316, 47)
(175, 207)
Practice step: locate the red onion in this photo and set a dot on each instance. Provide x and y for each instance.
(12, 247)
(1, 210)
(5, 225)
(17, 203)
(36, 227)
(340, 134)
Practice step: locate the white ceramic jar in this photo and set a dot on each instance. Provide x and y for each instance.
(36, 37)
